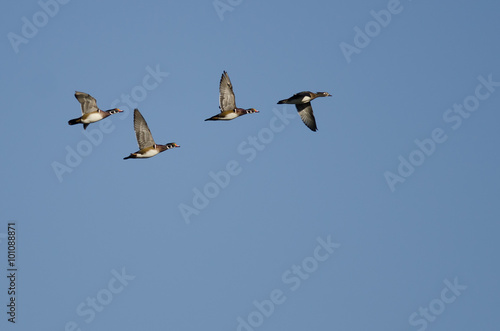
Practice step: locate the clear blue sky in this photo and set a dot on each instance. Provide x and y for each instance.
(387, 218)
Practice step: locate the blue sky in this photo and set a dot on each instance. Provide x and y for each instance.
(384, 219)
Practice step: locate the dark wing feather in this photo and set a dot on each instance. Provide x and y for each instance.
(142, 132)
(301, 95)
(226, 94)
(306, 114)
(88, 103)
(296, 98)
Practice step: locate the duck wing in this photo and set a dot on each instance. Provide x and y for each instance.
(226, 94)
(87, 102)
(306, 114)
(142, 132)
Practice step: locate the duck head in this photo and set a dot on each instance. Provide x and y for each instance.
(323, 94)
(115, 110)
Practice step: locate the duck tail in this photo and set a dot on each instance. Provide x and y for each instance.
(74, 121)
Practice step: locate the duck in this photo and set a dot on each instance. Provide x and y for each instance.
(227, 103)
(302, 102)
(147, 146)
(90, 112)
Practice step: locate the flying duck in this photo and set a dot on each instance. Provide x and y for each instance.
(90, 112)
(302, 102)
(147, 145)
(227, 102)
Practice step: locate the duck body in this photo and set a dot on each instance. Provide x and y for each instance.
(302, 102)
(93, 117)
(227, 103)
(151, 151)
(304, 97)
(143, 153)
(147, 146)
(231, 114)
(90, 112)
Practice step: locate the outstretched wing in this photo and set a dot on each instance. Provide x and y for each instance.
(88, 103)
(226, 94)
(306, 114)
(142, 132)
